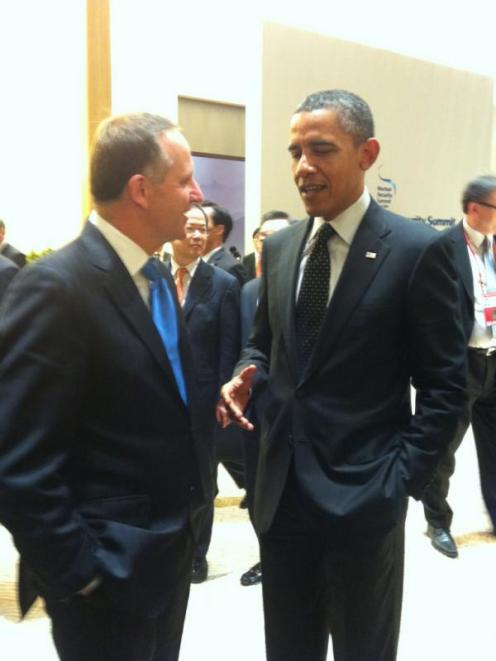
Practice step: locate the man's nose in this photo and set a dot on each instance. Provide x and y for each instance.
(196, 193)
(304, 166)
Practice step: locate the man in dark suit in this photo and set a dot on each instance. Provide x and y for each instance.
(103, 469)
(472, 241)
(220, 224)
(271, 222)
(210, 300)
(9, 251)
(7, 271)
(355, 303)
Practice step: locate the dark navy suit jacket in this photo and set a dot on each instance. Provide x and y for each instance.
(8, 269)
(211, 312)
(103, 468)
(346, 421)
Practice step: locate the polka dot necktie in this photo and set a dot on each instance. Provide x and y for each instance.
(314, 292)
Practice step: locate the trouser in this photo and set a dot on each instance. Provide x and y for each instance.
(480, 410)
(318, 580)
(93, 629)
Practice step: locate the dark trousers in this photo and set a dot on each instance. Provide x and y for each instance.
(92, 628)
(229, 453)
(480, 410)
(319, 581)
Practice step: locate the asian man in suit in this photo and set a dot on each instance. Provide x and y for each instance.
(103, 467)
(8, 269)
(210, 300)
(356, 303)
(9, 251)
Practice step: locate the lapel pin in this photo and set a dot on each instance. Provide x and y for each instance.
(370, 255)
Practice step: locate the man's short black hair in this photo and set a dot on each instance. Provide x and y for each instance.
(273, 215)
(220, 216)
(353, 112)
(478, 190)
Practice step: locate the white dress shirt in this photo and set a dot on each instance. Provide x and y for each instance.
(191, 268)
(482, 336)
(345, 226)
(131, 255)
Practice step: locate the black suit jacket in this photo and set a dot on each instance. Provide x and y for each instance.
(13, 254)
(346, 422)
(102, 466)
(225, 261)
(455, 236)
(211, 311)
(249, 262)
(7, 271)
(249, 302)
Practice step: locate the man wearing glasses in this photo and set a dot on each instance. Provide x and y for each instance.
(474, 248)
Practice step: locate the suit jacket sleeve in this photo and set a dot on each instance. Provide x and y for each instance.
(437, 347)
(42, 358)
(229, 331)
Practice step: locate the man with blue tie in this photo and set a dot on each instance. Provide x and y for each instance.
(103, 469)
(472, 241)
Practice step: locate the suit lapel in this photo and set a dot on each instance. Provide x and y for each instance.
(200, 285)
(290, 263)
(366, 256)
(125, 296)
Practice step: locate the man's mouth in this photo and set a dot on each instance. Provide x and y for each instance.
(311, 189)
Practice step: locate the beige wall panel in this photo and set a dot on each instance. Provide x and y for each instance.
(213, 128)
(434, 123)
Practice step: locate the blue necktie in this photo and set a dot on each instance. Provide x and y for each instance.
(165, 319)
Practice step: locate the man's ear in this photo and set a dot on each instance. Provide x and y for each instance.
(369, 152)
(137, 188)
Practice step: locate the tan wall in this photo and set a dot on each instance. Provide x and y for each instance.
(434, 123)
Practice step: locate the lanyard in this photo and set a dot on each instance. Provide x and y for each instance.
(473, 250)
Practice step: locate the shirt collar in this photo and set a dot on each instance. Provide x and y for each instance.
(191, 266)
(207, 255)
(132, 256)
(476, 237)
(348, 221)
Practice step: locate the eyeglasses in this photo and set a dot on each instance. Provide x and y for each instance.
(486, 204)
(194, 230)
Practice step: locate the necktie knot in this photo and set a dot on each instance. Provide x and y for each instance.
(324, 234)
(151, 270)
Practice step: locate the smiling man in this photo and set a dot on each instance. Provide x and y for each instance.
(356, 303)
(103, 466)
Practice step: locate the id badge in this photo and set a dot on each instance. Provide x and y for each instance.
(490, 308)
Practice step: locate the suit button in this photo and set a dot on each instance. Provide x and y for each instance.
(192, 490)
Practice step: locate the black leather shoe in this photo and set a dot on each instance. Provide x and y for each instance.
(199, 570)
(252, 576)
(442, 541)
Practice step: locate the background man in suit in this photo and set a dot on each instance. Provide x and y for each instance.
(8, 269)
(354, 303)
(103, 469)
(220, 224)
(251, 262)
(9, 251)
(473, 243)
(210, 300)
